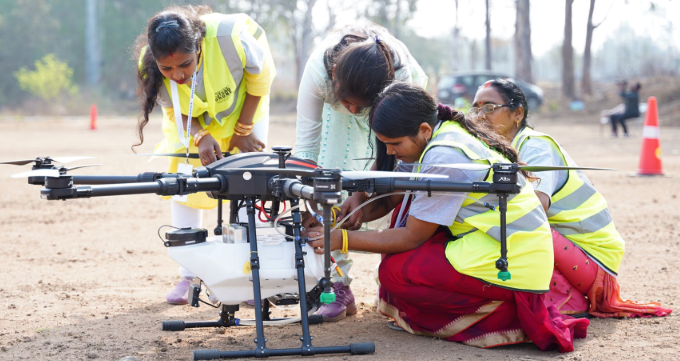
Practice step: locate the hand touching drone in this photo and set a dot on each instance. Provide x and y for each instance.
(354, 222)
(318, 244)
(209, 150)
(246, 144)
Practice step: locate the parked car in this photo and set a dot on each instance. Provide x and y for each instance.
(457, 85)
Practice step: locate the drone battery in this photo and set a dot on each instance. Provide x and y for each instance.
(185, 237)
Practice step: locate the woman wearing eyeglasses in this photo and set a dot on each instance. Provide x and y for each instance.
(439, 276)
(588, 249)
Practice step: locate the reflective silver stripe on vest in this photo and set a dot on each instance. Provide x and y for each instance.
(527, 223)
(234, 62)
(456, 137)
(258, 32)
(573, 200)
(588, 225)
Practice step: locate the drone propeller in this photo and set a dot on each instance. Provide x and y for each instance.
(62, 160)
(178, 155)
(542, 168)
(38, 173)
(53, 173)
(350, 174)
(530, 168)
(461, 166)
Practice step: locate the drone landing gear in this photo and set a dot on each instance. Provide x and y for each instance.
(227, 318)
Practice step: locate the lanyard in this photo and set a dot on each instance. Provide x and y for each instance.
(178, 112)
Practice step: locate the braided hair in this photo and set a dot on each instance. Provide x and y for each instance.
(175, 29)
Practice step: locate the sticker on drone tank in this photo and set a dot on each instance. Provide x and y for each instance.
(246, 267)
(183, 168)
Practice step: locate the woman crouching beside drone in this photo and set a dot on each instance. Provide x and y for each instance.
(439, 277)
(341, 80)
(588, 249)
(218, 69)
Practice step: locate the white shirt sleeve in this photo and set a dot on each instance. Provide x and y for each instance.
(311, 99)
(442, 208)
(254, 53)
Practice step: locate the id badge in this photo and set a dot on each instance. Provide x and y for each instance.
(183, 168)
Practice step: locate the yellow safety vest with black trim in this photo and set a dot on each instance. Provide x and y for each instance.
(477, 229)
(223, 60)
(579, 212)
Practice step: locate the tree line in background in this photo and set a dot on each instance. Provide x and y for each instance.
(95, 38)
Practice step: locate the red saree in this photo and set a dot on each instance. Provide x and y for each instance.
(425, 295)
(577, 276)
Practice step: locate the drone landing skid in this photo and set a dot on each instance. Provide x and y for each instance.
(227, 314)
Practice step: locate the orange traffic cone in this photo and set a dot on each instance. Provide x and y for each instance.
(93, 117)
(650, 156)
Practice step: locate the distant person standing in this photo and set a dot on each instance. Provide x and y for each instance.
(631, 101)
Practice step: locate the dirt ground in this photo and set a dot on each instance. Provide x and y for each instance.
(86, 279)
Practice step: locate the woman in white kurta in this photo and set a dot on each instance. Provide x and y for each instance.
(341, 80)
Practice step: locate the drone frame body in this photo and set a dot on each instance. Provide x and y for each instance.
(241, 178)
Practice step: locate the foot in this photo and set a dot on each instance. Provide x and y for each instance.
(180, 294)
(251, 303)
(342, 307)
(625, 135)
(614, 135)
(393, 325)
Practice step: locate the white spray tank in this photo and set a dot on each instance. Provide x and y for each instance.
(223, 262)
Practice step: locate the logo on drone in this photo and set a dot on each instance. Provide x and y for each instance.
(332, 186)
(504, 179)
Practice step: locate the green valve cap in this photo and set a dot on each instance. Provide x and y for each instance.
(328, 298)
(504, 276)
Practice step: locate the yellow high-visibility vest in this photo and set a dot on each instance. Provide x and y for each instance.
(476, 229)
(223, 85)
(579, 212)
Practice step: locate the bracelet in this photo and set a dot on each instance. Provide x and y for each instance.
(244, 126)
(345, 242)
(199, 135)
(242, 130)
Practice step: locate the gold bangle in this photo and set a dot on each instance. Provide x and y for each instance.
(199, 135)
(242, 132)
(244, 126)
(245, 134)
(239, 127)
(345, 242)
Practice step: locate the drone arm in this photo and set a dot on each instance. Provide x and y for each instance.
(163, 186)
(104, 179)
(293, 188)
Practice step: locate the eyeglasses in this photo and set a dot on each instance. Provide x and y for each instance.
(486, 108)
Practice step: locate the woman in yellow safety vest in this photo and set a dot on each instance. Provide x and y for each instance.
(216, 68)
(439, 277)
(588, 249)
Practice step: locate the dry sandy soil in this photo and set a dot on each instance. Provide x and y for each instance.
(86, 279)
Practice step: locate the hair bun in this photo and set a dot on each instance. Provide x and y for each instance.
(444, 112)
